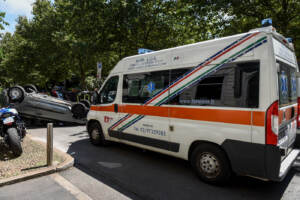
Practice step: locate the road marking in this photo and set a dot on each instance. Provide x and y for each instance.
(70, 187)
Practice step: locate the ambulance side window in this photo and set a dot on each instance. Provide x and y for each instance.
(109, 90)
(139, 87)
(233, 85)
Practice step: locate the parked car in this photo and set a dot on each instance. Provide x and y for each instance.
(31, 104)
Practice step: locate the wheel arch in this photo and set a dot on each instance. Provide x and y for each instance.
(199, 142)
(90, 122)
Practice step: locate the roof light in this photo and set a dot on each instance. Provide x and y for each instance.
(142, 51)
(266, 22)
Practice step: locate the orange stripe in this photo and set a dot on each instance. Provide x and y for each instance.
(258, 118)
(103, 108)
(213, 115)
(145, 110)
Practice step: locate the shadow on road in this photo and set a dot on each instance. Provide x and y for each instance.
(148, 175)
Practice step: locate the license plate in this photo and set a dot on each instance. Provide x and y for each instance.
(8, 120)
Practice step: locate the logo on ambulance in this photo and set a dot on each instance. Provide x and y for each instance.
(283, 84)
(107, 119)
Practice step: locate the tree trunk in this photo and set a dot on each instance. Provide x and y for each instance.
(82, 74)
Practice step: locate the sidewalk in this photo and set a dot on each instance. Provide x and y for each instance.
(64, 185)
(35, 189)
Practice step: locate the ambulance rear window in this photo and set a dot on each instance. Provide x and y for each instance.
(287, 83)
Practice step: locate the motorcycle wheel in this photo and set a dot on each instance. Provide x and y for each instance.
(14, 141)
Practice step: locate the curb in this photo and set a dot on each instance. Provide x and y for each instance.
(69, 162)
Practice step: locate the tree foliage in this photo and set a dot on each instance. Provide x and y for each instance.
(2, 22)
(67, 38)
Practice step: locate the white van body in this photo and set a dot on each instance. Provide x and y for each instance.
(236, 93)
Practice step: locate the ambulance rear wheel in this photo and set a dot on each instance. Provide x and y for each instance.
(211, 164)
(96, 135)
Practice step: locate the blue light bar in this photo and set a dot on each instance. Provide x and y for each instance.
(290, 40)
(266, 22)
(142, 51)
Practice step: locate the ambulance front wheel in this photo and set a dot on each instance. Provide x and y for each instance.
(96, 135)
(211, 164)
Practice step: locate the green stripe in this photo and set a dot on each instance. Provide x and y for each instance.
(130, 122)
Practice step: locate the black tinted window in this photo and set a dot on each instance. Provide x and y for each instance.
(109, 90)
(235, 85)
(138, 88)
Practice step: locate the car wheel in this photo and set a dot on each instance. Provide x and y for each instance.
(79, 110)
(211, 164)
(96, 135)
(86, 103)
(16, 94)
(30, 88)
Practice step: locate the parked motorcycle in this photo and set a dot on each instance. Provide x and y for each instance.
(12, 129)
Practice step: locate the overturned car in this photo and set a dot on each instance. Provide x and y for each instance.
(31, 104)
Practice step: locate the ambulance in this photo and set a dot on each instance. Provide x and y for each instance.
(226, 105)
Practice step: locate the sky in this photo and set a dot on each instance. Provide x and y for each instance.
(13, 9)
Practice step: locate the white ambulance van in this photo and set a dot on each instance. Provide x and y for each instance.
(226, 105)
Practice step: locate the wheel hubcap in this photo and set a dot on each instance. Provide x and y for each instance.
(209, 164)
(15, 93)
(95, 134)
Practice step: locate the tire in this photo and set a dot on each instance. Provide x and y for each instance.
(79, 110)
(96, 135)
(14, 141)
(30, 88)
(86, 103)
(211, 164)
(16, 94)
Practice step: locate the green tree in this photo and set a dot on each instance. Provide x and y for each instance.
(236, 16)
(2, 22)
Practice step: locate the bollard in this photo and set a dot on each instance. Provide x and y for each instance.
(49, 144)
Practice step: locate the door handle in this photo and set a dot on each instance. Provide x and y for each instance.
(116, 108)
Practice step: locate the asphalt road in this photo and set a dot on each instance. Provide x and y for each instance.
(142, 174)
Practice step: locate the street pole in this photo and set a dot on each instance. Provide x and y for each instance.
(49, 144)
